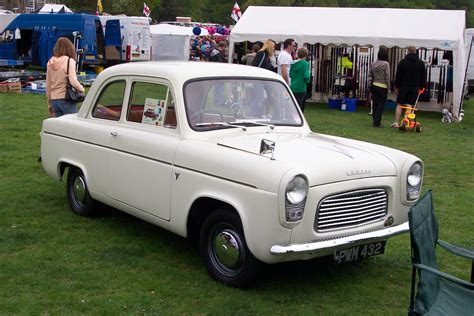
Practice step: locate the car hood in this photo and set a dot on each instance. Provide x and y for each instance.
(323, 159)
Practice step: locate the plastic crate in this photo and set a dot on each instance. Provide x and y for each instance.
(390, 105)
(11, 62)
(334, 104)
(349, 105)
(34, 91)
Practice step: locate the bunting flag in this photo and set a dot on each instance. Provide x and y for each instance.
(99, 9)
(236, 14)
(146, 10)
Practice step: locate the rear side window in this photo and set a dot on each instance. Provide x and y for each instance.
(151, 104)
(109, 104)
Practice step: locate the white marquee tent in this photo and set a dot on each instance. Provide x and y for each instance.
(360, 26)
(6, 19)
(55, 8)
(171, 42)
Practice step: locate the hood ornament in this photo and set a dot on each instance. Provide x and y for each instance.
(267, 147)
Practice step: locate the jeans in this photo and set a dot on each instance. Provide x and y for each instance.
(62, 107)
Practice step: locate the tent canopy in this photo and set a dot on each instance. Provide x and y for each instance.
(442, 29)
(169, 29)
(362, 26)
(54, 8)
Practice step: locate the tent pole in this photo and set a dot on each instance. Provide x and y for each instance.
(231, 52)
(461, 101)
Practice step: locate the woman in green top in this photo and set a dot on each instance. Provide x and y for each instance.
(299, 74)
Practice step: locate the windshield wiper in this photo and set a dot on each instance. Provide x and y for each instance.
(220, 124)
(252, 122)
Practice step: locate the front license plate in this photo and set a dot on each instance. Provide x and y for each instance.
(359, 252)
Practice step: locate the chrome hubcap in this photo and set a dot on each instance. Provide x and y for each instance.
(79, 189)
(227, 249)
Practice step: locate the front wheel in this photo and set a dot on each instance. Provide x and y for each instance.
(78, 195)
(224, 250)
(403, 126)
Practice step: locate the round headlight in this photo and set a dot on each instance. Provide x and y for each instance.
(296, 190)
(414, 175)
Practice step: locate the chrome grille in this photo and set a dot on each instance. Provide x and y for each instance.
(351, 209)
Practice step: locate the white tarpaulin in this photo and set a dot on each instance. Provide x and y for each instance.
(360, 26)
(169, 29)
(171, 42)
(54, 8)
(6, 19)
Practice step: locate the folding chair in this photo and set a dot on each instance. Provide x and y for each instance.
(438, 293)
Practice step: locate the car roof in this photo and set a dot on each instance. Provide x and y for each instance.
(180, 72)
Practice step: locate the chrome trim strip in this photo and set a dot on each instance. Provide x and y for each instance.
(340, 242)
(111, 148)
(217, 177)
(156, 160)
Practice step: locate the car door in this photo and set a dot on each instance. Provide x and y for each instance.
(144, 144)
(95, 131)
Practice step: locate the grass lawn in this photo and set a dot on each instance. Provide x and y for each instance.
(54, 262)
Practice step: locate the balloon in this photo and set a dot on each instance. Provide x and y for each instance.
(196, 30)
(205, 49)
(211, 30)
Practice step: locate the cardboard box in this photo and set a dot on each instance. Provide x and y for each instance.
(3, 87)
(112, 53)
(14, 87)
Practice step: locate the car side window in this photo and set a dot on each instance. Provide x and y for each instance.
(109, 103)
(153, 104)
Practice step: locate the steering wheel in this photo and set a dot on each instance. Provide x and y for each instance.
(201, 113)
(236, 108)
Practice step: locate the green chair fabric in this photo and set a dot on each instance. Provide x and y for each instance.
(438, 293)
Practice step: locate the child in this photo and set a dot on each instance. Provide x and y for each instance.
(299, 74)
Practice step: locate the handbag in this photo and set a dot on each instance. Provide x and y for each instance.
(72, 94)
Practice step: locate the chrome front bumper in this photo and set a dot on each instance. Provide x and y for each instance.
(340, 242)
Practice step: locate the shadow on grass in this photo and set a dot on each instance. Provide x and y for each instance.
(185, 253)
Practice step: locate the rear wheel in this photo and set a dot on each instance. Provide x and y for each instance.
(224, 250)
(78, 195)
(418, 128)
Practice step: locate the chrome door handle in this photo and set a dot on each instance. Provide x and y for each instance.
(113, 133)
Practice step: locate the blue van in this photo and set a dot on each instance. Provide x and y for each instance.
(30, 38)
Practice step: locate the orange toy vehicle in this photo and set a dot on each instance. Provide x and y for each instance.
(409, 122)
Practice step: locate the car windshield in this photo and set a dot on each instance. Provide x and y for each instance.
(239, 102)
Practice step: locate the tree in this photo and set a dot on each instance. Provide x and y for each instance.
(218, 11)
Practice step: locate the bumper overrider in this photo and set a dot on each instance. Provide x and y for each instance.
(340, 242)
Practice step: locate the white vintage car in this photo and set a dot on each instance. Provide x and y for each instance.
(222, 154)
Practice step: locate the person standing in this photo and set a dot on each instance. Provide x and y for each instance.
(410, 78)
(56, 75)
(248, 58)
(300, 77)
(218, 54)
(285, 60)
(379, 83)
(263, 58)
